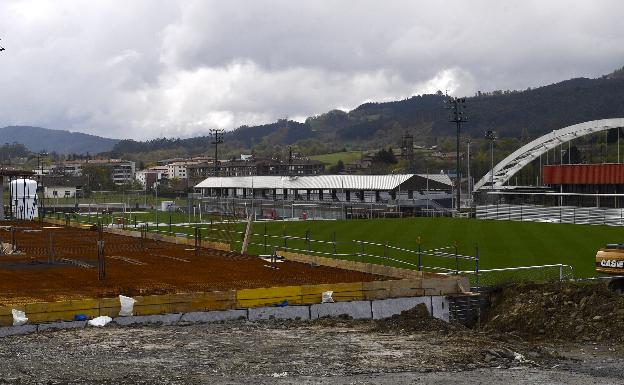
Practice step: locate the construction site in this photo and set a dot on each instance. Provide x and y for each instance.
(204, 313)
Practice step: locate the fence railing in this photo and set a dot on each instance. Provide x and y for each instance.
(557, 271)
(445, 259)
(552, 214)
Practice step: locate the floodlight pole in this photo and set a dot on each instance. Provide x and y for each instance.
(491, 135)
(218, 139)
(457, 105)
(468, 141)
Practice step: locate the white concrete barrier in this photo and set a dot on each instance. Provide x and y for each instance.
(355, 309)
(285, 312)
(385, 308)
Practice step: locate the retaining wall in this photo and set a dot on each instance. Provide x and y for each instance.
(232, 299)
(374, 309)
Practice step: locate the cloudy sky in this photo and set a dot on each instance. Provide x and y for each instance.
(143, 68)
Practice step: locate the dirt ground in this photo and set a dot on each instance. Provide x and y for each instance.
(136, 268)
(559, 311)
(321, 352)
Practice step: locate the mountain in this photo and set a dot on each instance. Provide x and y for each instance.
(532, 112)
(61, 141)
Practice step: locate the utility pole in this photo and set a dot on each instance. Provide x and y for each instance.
(457, 106)
(218, 139)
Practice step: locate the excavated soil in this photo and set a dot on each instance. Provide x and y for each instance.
(416, 319)
(136, 268)
(558, 311)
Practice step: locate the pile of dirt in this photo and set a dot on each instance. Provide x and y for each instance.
(416, 319)
(560, 311)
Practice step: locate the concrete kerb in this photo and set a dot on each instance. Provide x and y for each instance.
(214, 316)
(61, 325)
(284, 312)
(158, 319)
(375, 309)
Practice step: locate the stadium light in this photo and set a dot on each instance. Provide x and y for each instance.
(218, 139)
(457, 105)
(491, 136)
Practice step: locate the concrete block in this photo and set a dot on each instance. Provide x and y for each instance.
(355, 309)
(17, 330)
(61, 325)
(440, 307)
(285, 312)
(163, 319)
(385, 308)
(213, 316)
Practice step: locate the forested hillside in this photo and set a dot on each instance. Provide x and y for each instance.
(513, 114)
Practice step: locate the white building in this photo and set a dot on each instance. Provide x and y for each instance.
(178, 170)
(149, 177)
(121, 171)
(59, 191)
(406, 188)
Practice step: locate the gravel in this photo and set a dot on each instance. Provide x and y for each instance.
(283, 352)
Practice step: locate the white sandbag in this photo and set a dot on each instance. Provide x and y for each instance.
(100, 321)
(19, 317)
(127, 305)
(326, 297)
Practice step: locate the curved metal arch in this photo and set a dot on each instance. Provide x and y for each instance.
(513, 163)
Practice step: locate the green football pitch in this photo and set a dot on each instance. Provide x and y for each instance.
(500, 243)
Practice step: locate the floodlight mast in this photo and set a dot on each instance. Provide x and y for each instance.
(457, 105)
(491, 136)
(218, 139)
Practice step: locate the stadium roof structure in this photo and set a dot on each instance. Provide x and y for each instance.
(328, 182)
(508, 167)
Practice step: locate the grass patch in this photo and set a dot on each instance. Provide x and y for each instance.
(333, 158)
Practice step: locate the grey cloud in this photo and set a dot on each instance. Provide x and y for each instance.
(143, 69)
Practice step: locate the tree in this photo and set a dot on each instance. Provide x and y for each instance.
(384, 156)
(337, 168)
(99, 177)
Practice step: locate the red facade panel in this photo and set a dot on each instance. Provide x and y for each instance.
(584, 174)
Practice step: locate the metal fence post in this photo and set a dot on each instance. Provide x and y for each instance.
(456, 260)
(308, 239)
(334, 243)
(477, 265)
(560, 272)
(419, 256)
(265, 237)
